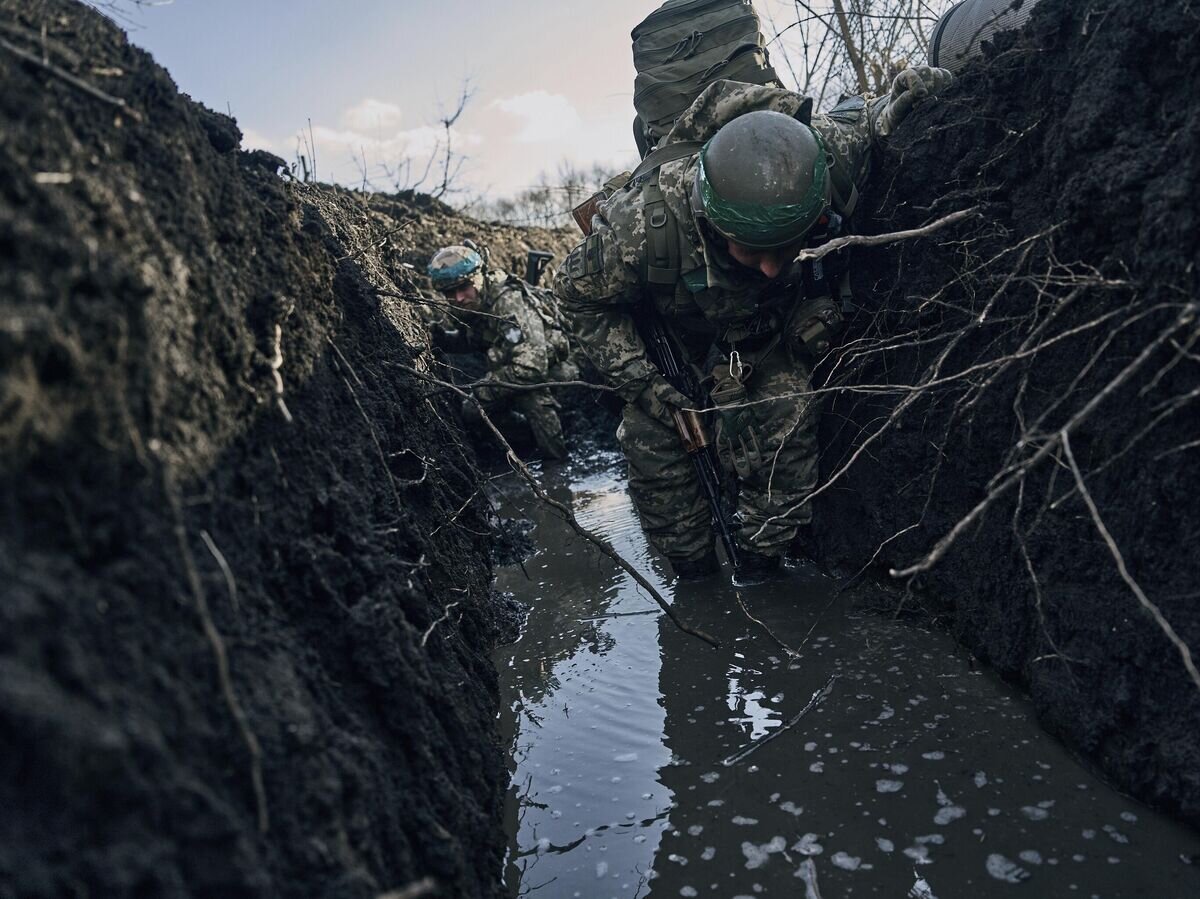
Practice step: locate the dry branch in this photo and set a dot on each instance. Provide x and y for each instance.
(876, 240)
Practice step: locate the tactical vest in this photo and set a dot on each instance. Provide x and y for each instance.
(815, 320)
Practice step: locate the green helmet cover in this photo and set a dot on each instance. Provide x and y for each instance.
(765, 225)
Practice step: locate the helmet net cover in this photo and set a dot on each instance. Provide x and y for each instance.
(763, 179)
(453, 267)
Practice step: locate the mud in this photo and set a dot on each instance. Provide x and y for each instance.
(1078, 141)
(246, 602)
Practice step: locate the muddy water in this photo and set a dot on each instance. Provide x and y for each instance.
(911, 774)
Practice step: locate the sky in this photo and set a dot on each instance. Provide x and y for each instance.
(366, 81)
(551, 80)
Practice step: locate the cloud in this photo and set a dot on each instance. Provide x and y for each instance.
(369, 128)
(372, 116)
(254, 140)
(546, 116)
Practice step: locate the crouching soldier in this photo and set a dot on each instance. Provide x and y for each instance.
(505, 319)
(702, 241)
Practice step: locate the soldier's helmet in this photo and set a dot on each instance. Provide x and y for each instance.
(455, 266)
(763, 180)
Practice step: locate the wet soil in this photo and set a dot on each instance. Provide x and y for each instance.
(645, 763)
(1068, 304)
(246, 601)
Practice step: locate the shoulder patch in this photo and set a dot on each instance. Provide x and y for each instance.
(848, 111)
(586, 259)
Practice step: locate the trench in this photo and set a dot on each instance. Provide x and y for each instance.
(915, 772)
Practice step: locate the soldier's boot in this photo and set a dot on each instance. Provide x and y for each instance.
(755, 568)
(696, 569)
(548, 434)
(803, 548)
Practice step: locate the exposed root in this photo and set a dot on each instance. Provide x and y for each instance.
(219, 653)
(1165, 626)
(230, 582)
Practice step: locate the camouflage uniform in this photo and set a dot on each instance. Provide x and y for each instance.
(524, 344)
(715, 302)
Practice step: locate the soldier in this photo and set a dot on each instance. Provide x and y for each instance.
(706, 238)
(520, 336)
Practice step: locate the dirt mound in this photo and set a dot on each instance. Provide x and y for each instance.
(1022, 390)
(243, 632)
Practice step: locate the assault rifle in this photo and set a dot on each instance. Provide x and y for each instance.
(663, 352)
(535, 263)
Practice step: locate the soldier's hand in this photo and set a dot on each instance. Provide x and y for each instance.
(737, 440)
(659, 398)
(908, 88)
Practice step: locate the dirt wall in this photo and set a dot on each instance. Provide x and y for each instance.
(995, 367)
(246, 605)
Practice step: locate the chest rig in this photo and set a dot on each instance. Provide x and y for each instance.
(807, 308)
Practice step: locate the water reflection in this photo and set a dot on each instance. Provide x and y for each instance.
(913, 764)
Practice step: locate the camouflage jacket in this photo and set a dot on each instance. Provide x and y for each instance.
(520, 336)
(715, 298)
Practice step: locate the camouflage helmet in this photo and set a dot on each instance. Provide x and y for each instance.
(454, 266)
(762, 180)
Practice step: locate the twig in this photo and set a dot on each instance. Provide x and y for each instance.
(437, 621)
(1184, 652)
(514, 387)
(230, 583)
(817, 698)
(414, 890)
(218, 648)
(72, 80)
(770, 633)
(425, 301)
(376, 242)
(875, 240)
(370, 428)
(599, 542)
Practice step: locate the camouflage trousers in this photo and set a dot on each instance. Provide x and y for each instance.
(662, 478)
(539, 408)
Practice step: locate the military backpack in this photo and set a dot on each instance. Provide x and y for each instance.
(683, 47)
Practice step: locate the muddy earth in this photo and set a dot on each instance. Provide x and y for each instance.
(1069, 306)
(246, 602)
(248, 616)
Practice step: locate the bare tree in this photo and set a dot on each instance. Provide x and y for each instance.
(549, 201)
(452, 162)
(841, 47)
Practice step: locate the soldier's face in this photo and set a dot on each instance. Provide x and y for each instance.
(771, 263)
(465, 295)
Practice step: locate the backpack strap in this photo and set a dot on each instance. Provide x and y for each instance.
(660, 269)
(661, 263)
(665, 154)
(844, 204)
